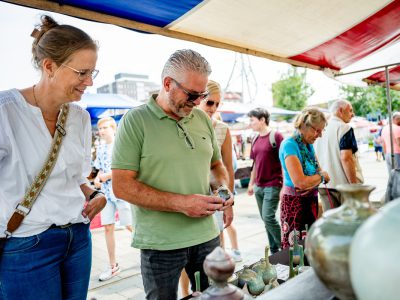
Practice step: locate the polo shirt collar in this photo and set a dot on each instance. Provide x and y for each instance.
(337, 119)
(158, 111)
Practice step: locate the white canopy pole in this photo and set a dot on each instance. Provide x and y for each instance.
(389, 107)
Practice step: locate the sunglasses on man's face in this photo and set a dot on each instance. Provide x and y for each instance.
(191, 97)
(210, 103)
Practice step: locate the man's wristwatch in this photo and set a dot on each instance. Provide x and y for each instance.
(94, 194)
(322, 178)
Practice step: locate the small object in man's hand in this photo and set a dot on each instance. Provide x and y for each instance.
(223, 192)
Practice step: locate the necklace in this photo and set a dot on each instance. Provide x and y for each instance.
(37, 104)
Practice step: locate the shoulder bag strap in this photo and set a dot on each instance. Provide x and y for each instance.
(24, 207)
(272, 140)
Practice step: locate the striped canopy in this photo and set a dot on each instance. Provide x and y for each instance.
(337, 36)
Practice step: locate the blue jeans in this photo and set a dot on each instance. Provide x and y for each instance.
(161, 269)
(267, 202)
(54, 264)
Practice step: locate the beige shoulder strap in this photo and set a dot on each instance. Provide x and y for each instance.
(24, 207)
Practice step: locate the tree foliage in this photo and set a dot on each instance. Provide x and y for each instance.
(369, 100)
(292, 91)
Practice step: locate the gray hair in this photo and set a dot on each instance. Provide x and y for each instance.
(338, 104)
(309, 116)
(185, 60)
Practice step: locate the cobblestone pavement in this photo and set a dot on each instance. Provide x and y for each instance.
(251, 237)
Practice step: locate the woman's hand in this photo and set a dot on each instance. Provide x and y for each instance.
(326, 176)
(94, 206)
(97, 182)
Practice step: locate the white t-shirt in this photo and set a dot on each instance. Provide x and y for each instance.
(24, 145)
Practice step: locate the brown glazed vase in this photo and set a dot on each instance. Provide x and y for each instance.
(329, 238)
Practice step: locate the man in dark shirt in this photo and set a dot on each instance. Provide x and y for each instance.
(266, 175)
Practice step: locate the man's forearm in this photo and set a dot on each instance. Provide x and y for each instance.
(349, 167)
(252, 176)
(140, 194)
(128, 188)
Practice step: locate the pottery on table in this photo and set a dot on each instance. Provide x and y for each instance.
(265, 269)
(255, 283)
(219, 267)
(329, 238)
(374, 255)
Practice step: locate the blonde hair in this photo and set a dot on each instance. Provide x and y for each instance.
(213, 87)
(113, 124)
(309, 116)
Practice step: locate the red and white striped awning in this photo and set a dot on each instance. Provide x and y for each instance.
(335, 36)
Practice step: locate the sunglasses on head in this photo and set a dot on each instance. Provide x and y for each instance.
(191, 97)
(211, 103)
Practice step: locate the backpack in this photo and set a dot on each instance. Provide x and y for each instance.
(272, 139)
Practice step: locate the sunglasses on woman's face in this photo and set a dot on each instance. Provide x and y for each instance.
(211, 103)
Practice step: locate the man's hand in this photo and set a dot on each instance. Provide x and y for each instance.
(197, 205)
(94, 206)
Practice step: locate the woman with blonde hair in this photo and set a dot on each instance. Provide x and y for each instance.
(301, 174)
(224, 140)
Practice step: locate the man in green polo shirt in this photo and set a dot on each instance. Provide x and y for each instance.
(163, 154)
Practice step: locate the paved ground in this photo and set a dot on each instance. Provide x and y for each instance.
(251, 236)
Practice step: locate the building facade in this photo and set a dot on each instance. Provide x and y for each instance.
(136, 86)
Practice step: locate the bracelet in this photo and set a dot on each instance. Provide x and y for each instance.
(95, 193)
(322, 178)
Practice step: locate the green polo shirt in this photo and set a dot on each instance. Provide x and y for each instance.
(149, 141)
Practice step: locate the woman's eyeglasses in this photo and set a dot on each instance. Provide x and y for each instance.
(210, 103)
(191, 96)
(317, 131)
(83, 74)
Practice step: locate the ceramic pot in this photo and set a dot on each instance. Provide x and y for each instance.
(374, 267)
(329, 239)
(219, 266)
(254, 281)
(265, 269)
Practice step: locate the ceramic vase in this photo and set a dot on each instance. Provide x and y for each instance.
(265, 269)
(374, 252)
(329, 239)
(254, 281)
(219, 266)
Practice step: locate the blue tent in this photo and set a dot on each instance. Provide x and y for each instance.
(106, 105)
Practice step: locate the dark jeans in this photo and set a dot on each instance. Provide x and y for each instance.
(268, 201)
(53, 265)
(161, 269)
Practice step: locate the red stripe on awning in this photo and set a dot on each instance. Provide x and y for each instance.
(394, 76)
(370, 35)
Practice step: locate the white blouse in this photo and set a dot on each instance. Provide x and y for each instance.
(24, 144)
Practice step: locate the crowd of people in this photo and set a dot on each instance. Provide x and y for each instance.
(166, 162)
